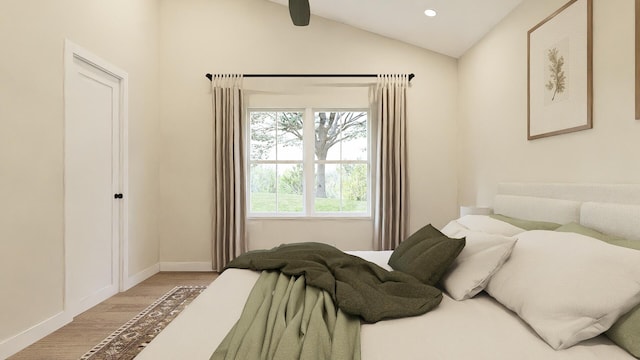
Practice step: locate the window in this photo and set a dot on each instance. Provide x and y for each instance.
(309, 162)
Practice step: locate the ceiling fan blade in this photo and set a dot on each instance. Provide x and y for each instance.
(300, 12)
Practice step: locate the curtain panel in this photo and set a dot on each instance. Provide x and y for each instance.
(229, 206)
(390, 216)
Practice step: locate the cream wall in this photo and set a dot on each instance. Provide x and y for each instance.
(32, 34)
(493, 108)
(256, 36)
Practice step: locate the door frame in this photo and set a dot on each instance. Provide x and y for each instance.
(73, 51)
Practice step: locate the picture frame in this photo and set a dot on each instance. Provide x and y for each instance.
(559, 72)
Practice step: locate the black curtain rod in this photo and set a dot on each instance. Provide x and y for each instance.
(210, 76)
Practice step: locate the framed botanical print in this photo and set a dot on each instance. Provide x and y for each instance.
(559, 71)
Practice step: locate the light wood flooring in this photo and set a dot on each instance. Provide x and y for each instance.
(92, 326)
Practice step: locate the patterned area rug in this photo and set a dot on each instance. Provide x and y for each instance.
(126, 342)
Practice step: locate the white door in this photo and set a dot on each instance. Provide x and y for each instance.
(92, 176)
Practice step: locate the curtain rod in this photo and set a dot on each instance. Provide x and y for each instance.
(210, 76)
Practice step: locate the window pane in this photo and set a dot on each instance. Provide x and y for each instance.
(290, 136)
(327, 135)
(263, 188)
(342, 188)
(354, 142)
(341, 135)
(290, 180)
(327, 190)
(355, 188)
(263, 135)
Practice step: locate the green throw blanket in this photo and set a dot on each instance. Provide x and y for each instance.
(283, 319)
(358, 288)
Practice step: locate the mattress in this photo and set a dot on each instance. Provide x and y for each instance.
(478, 328)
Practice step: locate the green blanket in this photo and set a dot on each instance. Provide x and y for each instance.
(283, 319)
(309, 300)
(357, 287)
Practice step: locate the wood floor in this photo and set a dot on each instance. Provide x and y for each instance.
(90, 327)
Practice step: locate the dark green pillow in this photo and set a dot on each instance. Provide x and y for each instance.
(626, 331)
(526, 224)
(426, 254)
(427, 231)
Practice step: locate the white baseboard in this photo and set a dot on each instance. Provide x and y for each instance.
(16, 343)
(20, 341)
(186, 266)
(143, 275)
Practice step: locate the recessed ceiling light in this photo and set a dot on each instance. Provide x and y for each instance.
(430, 12)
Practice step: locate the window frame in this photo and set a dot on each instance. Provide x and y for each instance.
(309, 165)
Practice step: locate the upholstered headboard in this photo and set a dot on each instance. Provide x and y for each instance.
(537, 208)
(610, 208)
(604, 193)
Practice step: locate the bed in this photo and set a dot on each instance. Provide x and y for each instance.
(499, 322)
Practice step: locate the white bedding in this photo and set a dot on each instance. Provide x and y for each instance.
(477, 328)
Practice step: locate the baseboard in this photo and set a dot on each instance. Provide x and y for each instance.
(186, 266)
(141, 276)
(20, 341)
(16, 343)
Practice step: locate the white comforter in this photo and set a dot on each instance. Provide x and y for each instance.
(478, 329)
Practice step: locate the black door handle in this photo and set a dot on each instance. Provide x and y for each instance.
(117, 196)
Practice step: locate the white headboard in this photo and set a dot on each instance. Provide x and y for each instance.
(605, 193)
(610, 208)
(537, 208)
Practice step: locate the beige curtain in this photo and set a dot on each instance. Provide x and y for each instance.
(391, 187)
(228, 224)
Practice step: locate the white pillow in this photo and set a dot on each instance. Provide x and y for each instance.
(481, 257)
(568, 287)
(454, 230)
(380, 258)
(487, 224)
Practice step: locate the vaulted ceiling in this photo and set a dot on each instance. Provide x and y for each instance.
(457, 26)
